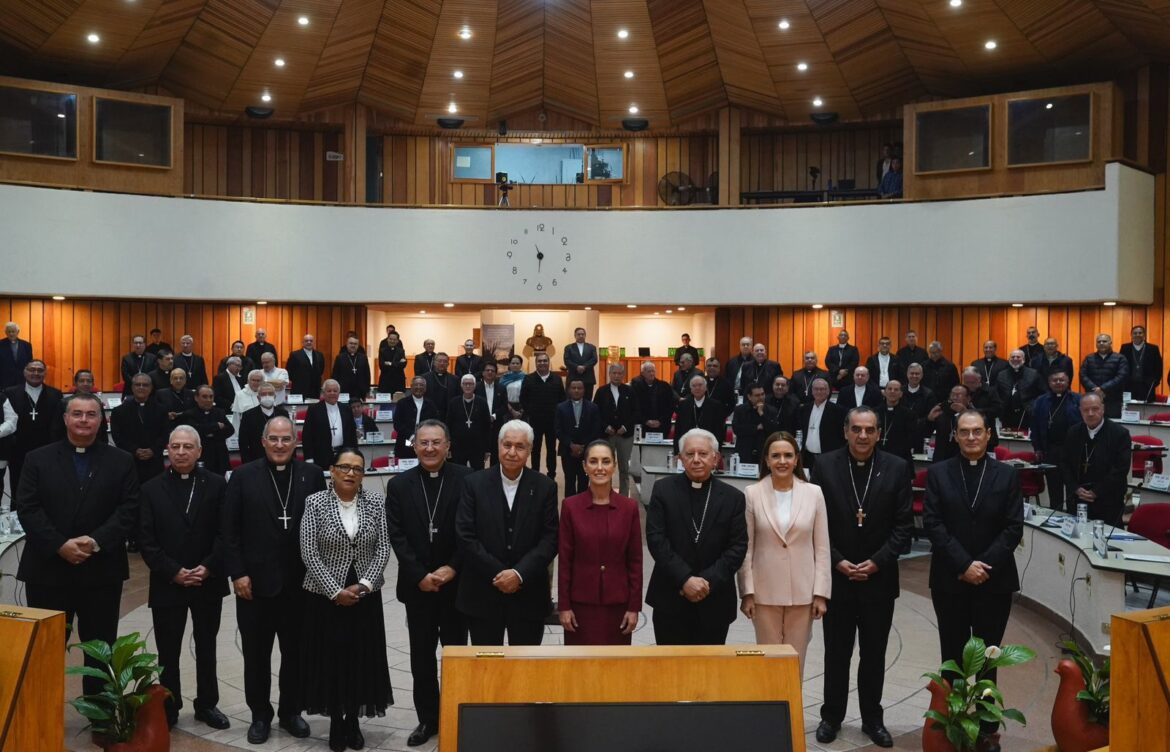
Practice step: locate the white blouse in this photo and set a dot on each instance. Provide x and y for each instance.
(783, 508)
(349, 517)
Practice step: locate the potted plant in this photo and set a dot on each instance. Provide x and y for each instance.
(970, 698)
(1080, 712)
(128, 714)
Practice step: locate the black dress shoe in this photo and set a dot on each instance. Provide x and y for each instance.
(827, 732)
(213, 717)
(337, 735)
(421, 733)
(258, 732)
(878, 734)
(295, 725)
(353, 733)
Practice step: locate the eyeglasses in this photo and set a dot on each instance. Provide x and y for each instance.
(430, 443)
(350, 469)
(279, 439)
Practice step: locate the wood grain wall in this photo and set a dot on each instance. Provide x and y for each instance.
(276, 163)
(74, 334)
(779, 160)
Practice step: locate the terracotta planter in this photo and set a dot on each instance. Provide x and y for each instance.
(151, 731)
(1071, 727)
(932, 739)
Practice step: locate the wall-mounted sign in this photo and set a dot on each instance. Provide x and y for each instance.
(249, 313)
(837, 319)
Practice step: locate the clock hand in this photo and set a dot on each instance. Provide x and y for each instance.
(539, 258)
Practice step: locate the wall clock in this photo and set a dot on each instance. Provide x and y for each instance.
(538, 257)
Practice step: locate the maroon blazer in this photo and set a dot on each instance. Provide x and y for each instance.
(600, 552)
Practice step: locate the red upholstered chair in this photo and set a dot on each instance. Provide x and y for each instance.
(730, 437)
(671, 434)
(299, 434)
(919, 501)
(1153, 521)
(1160, 418)
(381, 462)
(119, 387)
(302, 412)
(235, 462)
(1031, 481)
(1140, 457)
(1002, 453)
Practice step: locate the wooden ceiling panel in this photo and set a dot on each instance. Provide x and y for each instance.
(450, 53)
(398, 58)
(928, 52)
(741, 61)
(144, 61)
(338, 73)
(971, 26)
(117, 23)
(517, 79)
(636, 53)
(686, 54)
(570, 83)
(1140, 23)
(27, 24)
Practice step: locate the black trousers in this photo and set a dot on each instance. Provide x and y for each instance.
(808, 459)
(1054, 478)
(972, 612)
(472, 459)
(576, 480)
(545, 431)
(588, 390)
(431, 620)
(261, 622)
(96, 608)
(693, 627)
(491, 630)
(169, 624)
(14, 467)
(870, 622)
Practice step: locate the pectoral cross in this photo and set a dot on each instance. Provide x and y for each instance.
(33, 414)
(860, 516)
(284, 518)
(468, 422)
(433, 532)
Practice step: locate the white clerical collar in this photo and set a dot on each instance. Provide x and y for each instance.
(913, 389)
(80, 449)
(1139, 347)
(545, 376)
(332, 408)
(508, 482)
(819, 407)
(1094, 431)
(34, 391)
(576, 402)
(268, 410)
(699, 402)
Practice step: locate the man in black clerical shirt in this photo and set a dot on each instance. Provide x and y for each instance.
(425, 360)
(253, 420)
(581, 361)
(257, 349)
(938, 373)
(578, 422)
(138, 360)
(801, 384)
(733, 370)
(681, 380)
(470, 425)
(157, 343)
(1017, 387)
(191, 363)
(421, 505)
(984, 399)
(911, 352)
(177, 398)
(1054, 415)
(868, 501)
(685, 349)
(841, 360)
(896, 424)
(391, 363)
(328, 426)
(945, 420)
(719, 388)
(441, 385)
(1097, 463)
(974, 516)
(83, 383)
(540, 393)
(759, 370)
(180, 518)
(247, 365)
(77, 501)
(306, 368)
(161, 376)
(38, 408)
(1032, 348)
(697, 533)
(15, 354)
(139, 426)
(786, 403)
(468, 362)
(654, 400)
(753, 422)
(260, 527)
(699, 410)
(409, 411)
(213, 427)
(1145, 365)
(351, 369)
(919, 400)
(990, 365)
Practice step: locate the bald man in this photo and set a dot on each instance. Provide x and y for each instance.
(327, 426)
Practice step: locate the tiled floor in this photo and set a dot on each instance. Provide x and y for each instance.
(913, 650)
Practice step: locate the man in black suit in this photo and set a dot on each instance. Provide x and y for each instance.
(911, 352)
(945, 419)
(425, 360)
(228, 383)
(753, 422)
(1106, 373)
(247, 365)
(441, 385)
(470, 425)
(191, 363)
(618, 410)
(868, 500)
(362, 422)
(1097, 462)
(1145, 365)
(759, 370)
(861, 392)
(38, 408)
(261, 346)
(507, 528)
(468, 362)
(938, 373)
(139, 426)
(409, 411)
(974, 516)
(161, 375)
(578, 422)
(138, 360)
(421, 505)
(699, 410)
(581, 362)
(990, 365)
(177, 397)
(83, 383)
(1017, 387)
(1052, 359)
(260, 533)
(1032, 348)
(540, 393)
(985, 399)
(841, 360)
(719, 388)
(653, 399)
(787, 405)
(214, 429)
(306, 368)
(180, 516)
(391, 363)
(822, 425)
(896, 425)
(351, 369)
(327, 427)
(77, 501)
(801, 383)
(680, 382)
(919, 400)
(697, 533)
(253, 420)
(495, 396)
(733, 370)
(685, 349)
(15, 354)
(883, 365)
(157, 343)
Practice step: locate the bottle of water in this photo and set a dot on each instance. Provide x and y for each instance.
(733, 465)
(637, 432)
(1149, 472)
(670, 462)
(800, 439)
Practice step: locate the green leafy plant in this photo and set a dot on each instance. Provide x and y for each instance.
(127, 671)
(972, 698)
(1096, 691)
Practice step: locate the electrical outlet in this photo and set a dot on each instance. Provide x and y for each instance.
(1105, 627)
(1088, 581)
(1060, 559)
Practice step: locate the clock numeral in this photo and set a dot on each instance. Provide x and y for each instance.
(564, 241)
(540, 227)
(554, 282)
(539, 286)
(515, 241)
(553, 230)
(509, 254)
(525, 230)
(565, 270)
(515, 270)
(526, 280)
(568, 257)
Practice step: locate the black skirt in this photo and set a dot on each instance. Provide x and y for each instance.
(344, 670)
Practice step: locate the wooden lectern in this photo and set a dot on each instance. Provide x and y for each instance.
(32, 679)
(1140, 680)
(719, 680)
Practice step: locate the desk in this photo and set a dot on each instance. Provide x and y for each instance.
(651, 473)
(11, 548)
(1053, 566)
(1146, 409)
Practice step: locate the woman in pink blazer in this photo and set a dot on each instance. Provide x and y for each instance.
(785, 579)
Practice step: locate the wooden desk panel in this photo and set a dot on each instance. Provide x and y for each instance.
(32, 679)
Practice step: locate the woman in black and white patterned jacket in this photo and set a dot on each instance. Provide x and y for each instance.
(345, 548)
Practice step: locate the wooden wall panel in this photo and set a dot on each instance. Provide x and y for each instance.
(275, 163)
(74, 334)
(779, 160)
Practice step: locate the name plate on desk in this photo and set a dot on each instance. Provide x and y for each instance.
(384, 416)
(653, 438)
(343, 398)
(747, 470)
(233, 443)
(294, 399)
(113, 401)
(1068, 527)
(383, 397)
(1159, 482)
(374, 437)
(1130, 416)
(1126, 397)
(405, 463)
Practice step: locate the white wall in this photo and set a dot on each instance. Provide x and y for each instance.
(1030, 249)
(659, 333)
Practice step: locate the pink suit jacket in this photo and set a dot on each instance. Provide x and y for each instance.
(786, 568)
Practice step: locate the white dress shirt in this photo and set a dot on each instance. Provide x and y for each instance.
(333, 412)
(883, 369)
(812, 442)
(510, 488)
(858, 394)
(277, 374)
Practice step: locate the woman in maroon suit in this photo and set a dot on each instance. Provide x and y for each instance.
(600, 563)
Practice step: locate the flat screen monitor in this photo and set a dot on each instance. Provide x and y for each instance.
(643, 352)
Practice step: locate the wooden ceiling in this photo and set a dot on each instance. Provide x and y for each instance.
(688, 57)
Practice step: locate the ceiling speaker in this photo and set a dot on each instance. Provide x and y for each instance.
(635, 124)
(259, 113)
(823, 118)
(450, 123)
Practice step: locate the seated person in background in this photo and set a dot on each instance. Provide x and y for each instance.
(787, 405)
(891, 185)
(178, 398)
(362, 423)
(752, 422)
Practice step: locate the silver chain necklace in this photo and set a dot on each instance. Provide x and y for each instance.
(699, 528)
(284, 500)
(973, 501)
(865, 494)
(431, 529)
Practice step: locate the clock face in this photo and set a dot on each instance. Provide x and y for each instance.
(539, 258)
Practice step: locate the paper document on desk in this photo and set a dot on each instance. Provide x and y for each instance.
(1155, 558)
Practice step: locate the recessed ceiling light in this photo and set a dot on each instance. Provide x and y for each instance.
(265, 97)
(682, 308)
(633, 109)
(261, 302)
(1110, 303)
(448, 305)
(956, 3)
(279, 62)
(818, 306)
(465, 33)
(458, 74)
(784, 24)
(623, 34)
(990, 44)
(61, 115)
(537, 140)
(58, 297)
(1048, 106)
(588, 308)
(628, 74)
(93, 38)
(422, 311)
(452, 108)
(802, 66)
(630, 305)
(656, 313)
(818, 102)
(670, 310)
(303, 20)
(1017, 305)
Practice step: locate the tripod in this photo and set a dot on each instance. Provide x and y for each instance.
(504, 188)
